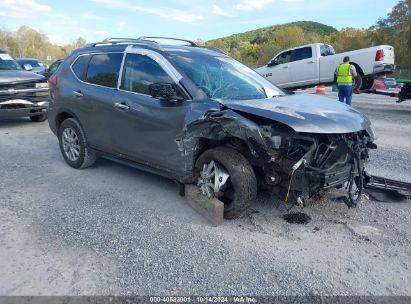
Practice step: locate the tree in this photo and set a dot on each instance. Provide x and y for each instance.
(289, 36)
(395, 29)
(349, 39)
(27, 42)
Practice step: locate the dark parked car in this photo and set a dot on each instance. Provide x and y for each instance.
(390, 82)
(52, 68)
(195, 115)
(22, 93)
(36, 65)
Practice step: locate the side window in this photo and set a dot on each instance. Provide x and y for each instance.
(103, 69)
(324, 50)
(139, 71)
(53, 67)
(283, 58)
(80, 66)
(303, 53)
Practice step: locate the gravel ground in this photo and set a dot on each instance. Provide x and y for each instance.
(114, 230)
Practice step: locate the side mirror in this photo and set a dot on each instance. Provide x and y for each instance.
(163, 91)
(272, 63)
(28, 67)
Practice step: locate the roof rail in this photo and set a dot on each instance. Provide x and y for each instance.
(192, 43)
(111, 40)
(143, 39)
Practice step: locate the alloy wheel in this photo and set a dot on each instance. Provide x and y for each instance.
(71, 144)
(212, 179)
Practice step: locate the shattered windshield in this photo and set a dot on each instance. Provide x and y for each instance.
(224, 78)
(8, 63)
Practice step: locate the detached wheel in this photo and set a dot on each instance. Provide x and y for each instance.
(39, 118)
(73, 145)
(226, 174)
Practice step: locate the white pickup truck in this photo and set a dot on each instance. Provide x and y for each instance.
(314, 64)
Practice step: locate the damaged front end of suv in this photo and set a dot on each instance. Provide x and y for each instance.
(306, 164)
(298, 145)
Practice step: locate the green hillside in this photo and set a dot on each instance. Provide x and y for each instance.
(256, 47)
(264, 34)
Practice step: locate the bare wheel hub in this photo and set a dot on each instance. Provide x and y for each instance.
(212, 179)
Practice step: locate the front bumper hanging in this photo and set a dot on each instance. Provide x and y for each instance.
(381, 188)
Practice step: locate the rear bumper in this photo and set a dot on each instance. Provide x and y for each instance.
(21, 107)
(383, 68)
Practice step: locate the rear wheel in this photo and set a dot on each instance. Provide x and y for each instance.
(73, 145)
(39, 118)
(226, 174)
(367, 83)
(357, 83)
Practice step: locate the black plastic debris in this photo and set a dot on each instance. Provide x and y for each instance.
(297, 218)
(387, 190)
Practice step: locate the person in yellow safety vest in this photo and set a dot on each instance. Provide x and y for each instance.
(345, 73)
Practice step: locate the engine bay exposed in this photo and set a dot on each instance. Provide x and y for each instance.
(306, 164)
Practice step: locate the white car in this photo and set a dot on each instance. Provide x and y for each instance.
(314, 64)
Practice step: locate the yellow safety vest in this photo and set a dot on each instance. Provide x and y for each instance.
(344, 73)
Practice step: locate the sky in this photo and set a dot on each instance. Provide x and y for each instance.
(63, 21)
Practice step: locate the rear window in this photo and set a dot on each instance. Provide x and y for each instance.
(303, 53)
(326, 50)
(80, 66)
(104, 69)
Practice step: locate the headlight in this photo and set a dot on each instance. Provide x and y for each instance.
(42, 85)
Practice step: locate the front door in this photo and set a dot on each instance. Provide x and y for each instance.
(278, 70)
(148, 130)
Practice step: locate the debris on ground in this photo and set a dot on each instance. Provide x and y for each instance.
(297, 218)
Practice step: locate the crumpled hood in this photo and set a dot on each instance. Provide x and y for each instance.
(19, 76)
(306, 113)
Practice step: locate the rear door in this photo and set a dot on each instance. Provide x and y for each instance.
(304, 67)
(93, 96)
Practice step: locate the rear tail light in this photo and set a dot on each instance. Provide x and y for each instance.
(379, 55)
(53, 79)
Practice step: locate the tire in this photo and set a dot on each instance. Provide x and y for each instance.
(367, 83)
(241, 186)
(39, 118)
(85, 158)
(357, 83)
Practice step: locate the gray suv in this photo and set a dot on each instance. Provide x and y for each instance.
(195, 115)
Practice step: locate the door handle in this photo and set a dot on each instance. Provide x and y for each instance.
(78, 93)
(121, 106)
(285, 67)
(310, 62)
